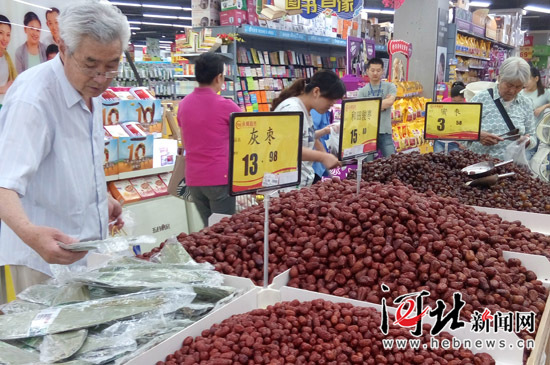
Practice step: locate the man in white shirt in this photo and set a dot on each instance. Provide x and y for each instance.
(52, 184)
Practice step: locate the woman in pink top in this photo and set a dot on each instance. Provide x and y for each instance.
(203, 117)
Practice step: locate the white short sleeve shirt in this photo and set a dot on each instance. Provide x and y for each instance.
(51, 154)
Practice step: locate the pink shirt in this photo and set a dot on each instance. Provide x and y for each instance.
(203, 117)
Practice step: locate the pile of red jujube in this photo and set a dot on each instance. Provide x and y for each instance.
(336, 242)
(441, 174)
(317, 332)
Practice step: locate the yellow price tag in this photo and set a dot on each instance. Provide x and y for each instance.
(359, 126)
(265, 151)
(453, 121)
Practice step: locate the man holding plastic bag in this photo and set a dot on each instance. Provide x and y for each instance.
(52, 183)
(507, 118)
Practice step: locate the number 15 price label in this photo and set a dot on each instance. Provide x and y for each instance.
(265, 151)
(359, 127)
(453, 121)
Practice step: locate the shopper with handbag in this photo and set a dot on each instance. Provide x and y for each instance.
(52, 183)
(505, 109)
(203, 117)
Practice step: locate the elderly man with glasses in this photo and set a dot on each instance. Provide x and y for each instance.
(505, 102)
(52, 184)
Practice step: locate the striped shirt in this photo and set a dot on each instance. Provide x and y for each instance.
(521, 113)
(51, 154)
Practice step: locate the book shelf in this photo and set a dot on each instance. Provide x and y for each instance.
(271, 59)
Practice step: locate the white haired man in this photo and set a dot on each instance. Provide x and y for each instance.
(52, 184)
(514, 73)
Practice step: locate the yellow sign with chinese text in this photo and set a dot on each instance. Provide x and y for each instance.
(453, 121)
(265, 151)
(359, 127)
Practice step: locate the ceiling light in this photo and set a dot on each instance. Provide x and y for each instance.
(169, 7)
(160, 16)
(539, 9)
(133, 22)
(125, 4)
(140, 45)
(379, 11)
(169, 42)
(181, 26)
(159, 24)
(480, 4)
(31, 4)
(135, 28)
(134, 33)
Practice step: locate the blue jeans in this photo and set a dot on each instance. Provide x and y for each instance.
(385, 145)
(440, 147)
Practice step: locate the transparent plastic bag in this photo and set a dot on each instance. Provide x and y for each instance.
(333, 141)
(62, 345)
(516, 151)
(109, 245)
(92, 313)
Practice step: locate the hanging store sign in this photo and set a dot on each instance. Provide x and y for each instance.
(345, 9)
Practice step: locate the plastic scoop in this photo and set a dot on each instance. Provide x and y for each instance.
(488, 180)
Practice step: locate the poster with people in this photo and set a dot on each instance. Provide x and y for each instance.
(29, 36)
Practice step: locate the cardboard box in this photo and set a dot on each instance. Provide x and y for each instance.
(479, 17)
(135, 153)
(110, 164)
(233, 17)
(233, 5)
(123, 191)
(146, 112)
(205, 13)
(143, 187)
(158, 186)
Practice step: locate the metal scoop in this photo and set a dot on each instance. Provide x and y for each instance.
(511, 133)
(482, 169)
(488, 180)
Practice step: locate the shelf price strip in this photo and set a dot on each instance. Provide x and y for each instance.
(265, 152)
(453, 121)
(359, 130)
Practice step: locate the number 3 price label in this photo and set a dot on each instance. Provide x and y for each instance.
(359, 127)
(265, 151)
(453, 121)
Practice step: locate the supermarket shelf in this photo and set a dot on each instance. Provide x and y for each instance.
(477, 67)
(457, 54)
(380, 48)
(261, 32)
(410, 150)
(197, 54)
(502, 45)
(139, 173)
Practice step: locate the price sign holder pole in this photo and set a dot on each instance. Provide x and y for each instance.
(270, 145)
(267, 198)
(360, 171)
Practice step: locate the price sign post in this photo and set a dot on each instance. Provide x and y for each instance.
(265, 152)
(359, 130)
(453, 122)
